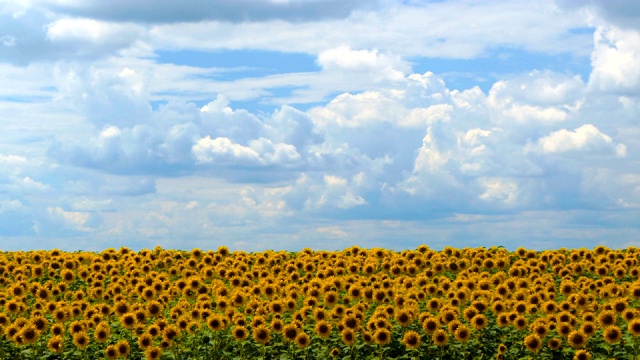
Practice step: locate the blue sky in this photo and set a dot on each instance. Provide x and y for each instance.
(319, 123)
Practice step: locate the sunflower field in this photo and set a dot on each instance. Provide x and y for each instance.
(351, 304)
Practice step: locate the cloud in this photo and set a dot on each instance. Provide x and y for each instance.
(90, 31)
(221, 149)
(74, 220)
(538, 96)
(427, 30)
(344, 60)
(586, 138)
(621, 13)
(107, 136)
(616, 61)
(173, 11)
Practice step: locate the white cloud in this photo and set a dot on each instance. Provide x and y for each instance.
(102, 138)
(222, 149)
(12, 160)
(538, 96)
(616, 61)
(349, 62)
(497, 189)
(428, 30)
(586, 138)
(90, 30)
(76, 220)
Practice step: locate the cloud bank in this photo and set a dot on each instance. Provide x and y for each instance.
(109, 143)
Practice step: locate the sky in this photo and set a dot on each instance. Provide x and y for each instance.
(323, 124)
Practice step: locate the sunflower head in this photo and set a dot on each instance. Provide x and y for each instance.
(577, 339)
(123, 348)
(261, 334)
(582, 355)
(81, 340)
(323, 329)
(440, 337)
(348, 336)
(382, 336)
(462, 333)
(533, 343)
(612, 334)
(302, 340)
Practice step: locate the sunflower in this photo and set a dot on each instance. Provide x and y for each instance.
(170, 332)
(350, 321)
(502, 348)
(612, 334)
(629, 314)
(129, 320)
(520, 322)
(634, 327)
(302, 340)
(440, 337)
(564, 329)
(540, 329)
(447, 316)
(12, 306)
(462, 334)
(533, 343)
(29, 333)
(261, 334)
(56, 344)
(554, 343)
(430, 325)
(588, 328)
(57, 329)
(582, 355)
(606, 318)
(382, 336)
(348, 336)
(102, 332)
(276, 325)
(154, 308)
(145, 340)
(323, 329)
(123, 348)
(240, 333)
(411, 340)
(81, 340)
(331, 298)
(215, 322)
(577, 339)
(367, 337)
(153, 353)
(121, 308)
(479, 322)
(503, 320)
(40, 322)
(290, 332)
(335, 352)
(434, 304)
(111, 352)
(404, 317)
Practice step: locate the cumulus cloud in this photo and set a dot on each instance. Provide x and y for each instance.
(616, 61)
(586, 138)
(135, 148)
(347, 62)
(539, 96)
